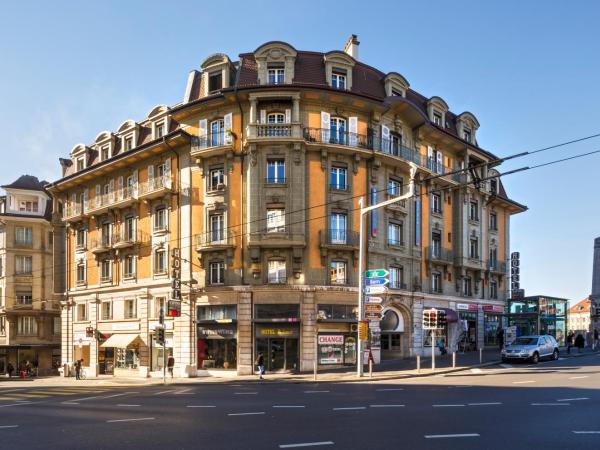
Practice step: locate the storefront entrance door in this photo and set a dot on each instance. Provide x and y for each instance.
(277, 353)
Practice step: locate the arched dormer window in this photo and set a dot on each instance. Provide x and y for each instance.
(216, 74)
(436, 110)
(128, 132)
(395, 85)
(105, 145)
(466, 126)
(338, 69)
(79, 156)
(159, 120)
(275, 63)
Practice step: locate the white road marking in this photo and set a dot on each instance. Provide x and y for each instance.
(127, 406)
(18, 404)
(350, 408)
(441, 436)
(184, 392)
(306, 444)
(130, 420)
(315, 392)
(506, 366)
(523, 382)
(388, 390)
(245, 393)
(246, 414)
(386, 406)
(476, 370)
(550, 404)
(163, 392)
(586, 432)
(119, 395)
(200, 406)
(86, 398)
(289, 406)
(485, 404)
(8, 426)
(69, 403)
(445, 406)
(572, 399)
(578, 378)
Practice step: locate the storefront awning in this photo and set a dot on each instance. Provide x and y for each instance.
(120, 340)
(451, 315)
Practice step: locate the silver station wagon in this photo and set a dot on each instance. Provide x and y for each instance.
(531, 348)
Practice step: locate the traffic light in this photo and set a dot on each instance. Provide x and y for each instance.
(89, 332)
(363, 330)
(434, 319)
(442, 320)
(160, 335)
(431, 319)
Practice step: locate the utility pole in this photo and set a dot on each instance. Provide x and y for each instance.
(361, 253)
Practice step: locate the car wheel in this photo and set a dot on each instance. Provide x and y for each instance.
(535, 358)
(555, 355)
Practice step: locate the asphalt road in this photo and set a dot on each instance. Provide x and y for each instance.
(555, 405)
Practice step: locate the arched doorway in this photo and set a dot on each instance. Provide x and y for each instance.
(394, 339)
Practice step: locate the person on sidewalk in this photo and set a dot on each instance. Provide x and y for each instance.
(500, 337)
(579, 342)
(442, 347)
(10, 368)
(595, 341)
(171, 364)
(78, 369)
(570, 337)
(260, 363)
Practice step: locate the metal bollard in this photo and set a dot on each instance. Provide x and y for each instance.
(370, 368)
(418, 364)
(453, 360)
(315, 371)
(481, 356)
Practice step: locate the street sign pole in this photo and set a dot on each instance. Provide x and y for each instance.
(433, 350)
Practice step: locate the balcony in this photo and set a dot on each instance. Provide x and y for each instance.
(214, 241)
(397, 285)
(155, 187)
(399, 205)
(101, 245)
(439, 255)
(73, 212)
(339, 239)
(117, 199)
(125, 239)
(210, 143)
(274, 131)
(493, 265)
(338, 187)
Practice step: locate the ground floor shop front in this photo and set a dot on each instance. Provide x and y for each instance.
(34, 360)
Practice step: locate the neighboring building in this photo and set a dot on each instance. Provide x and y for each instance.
(595, 296)
(256, 177)
(539, 314)
(29, 312)
(580, 316)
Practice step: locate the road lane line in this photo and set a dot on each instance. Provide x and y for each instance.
(69, 403)
(572, 399)
(350, 408)
(130, 420)
(442, 436)
(247, 414)
(550, 404)
(200, 406)
(8, 426)
(523, 382)
(388, 390)
(579, 377)
(163, 392)
(122, 405)
(315, 392)
(289, 406)
(586, 432)
(118, 395)
(386, 406)
(184, 392)
(484, 404)
(306, 444)
(18, 404)
(446, 406)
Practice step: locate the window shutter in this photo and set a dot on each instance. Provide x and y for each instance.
(353, 130)
(111, 190)
(86, 197)
(98, 195)
(440, 163)
(120, 187)
(150, 172)
(288, 116)
(167, 176)
(203, 133)
(228, 124)
(134, 187)
(263, 116)
(385, 138)
(325, 126)
(429, 157)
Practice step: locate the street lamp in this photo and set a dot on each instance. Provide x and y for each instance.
(363, 211)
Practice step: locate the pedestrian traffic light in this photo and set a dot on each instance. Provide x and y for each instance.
(442, 319)
(160, 335)
(89, 332)
(363, 330)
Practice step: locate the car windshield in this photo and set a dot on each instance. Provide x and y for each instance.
(526, 341)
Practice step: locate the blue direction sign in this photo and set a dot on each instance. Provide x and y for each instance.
(376, 273)
(376, 281)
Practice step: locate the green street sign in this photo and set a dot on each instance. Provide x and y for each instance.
(376, 273)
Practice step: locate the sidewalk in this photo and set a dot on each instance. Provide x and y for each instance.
(387, 370)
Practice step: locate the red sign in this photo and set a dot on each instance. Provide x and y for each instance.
(331, 339)
(372, 315)
(493, 308)
(374, 308)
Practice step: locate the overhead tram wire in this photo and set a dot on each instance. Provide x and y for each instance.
(426, 192)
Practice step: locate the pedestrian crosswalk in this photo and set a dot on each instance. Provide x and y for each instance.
(36, 394)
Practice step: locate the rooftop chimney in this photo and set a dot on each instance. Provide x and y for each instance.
(351, 47)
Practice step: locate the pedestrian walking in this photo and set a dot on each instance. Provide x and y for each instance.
(579, 342)
(171, 364)
(10, 368)
(595, 342)
(570, 337)
(260, 363)
(442, 347)
(78, 369)
(500, 337)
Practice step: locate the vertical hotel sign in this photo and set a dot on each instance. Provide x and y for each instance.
(515, 276)
(374, 225)
(174, 304)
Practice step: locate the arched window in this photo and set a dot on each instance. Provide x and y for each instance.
(392, 321)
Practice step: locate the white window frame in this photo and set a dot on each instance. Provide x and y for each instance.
(395, 233)
(27, 326)
(81, 280)
(106, 310)
(278, 75)
(160, 270)
(24, 236)
(129, 272)
(338, 272)
(396, 277)
(216, 273)
(467, 287)
(24, 297)
(339, 80)
(436, 202)
(216, 179)
(216, 228)
(23, 265)
(106, 265)
(336, 182)
(130, 308)
(276, 271)
(275, 118)
(81, 310)
(275, 220)
(436, 282)
(157, 224)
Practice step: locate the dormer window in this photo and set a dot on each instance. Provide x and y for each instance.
(128, 143)
(160, 130)
(27, 206)
(215, 82)
(467, 134)
(105, 153)
(276, 75)
(80, 164)
(396, 93)
(338, 79)
(437, 119)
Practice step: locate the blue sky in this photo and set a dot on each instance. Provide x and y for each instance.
(529, 71)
